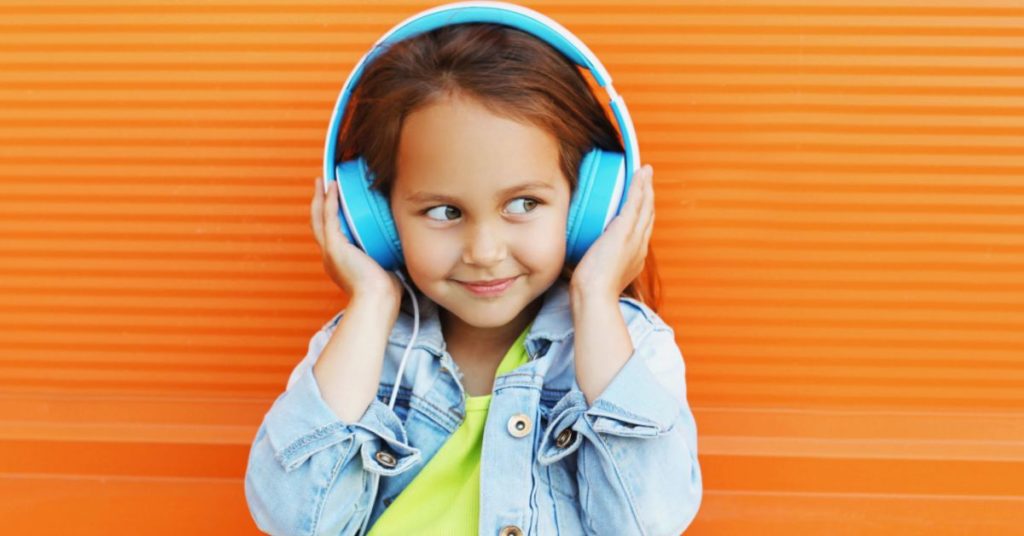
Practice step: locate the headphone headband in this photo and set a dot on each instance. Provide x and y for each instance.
(518, 17)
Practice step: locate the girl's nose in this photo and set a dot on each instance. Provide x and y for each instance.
(485, 247)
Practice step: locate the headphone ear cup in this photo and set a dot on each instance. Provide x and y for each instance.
(366, 215)
(599, 189)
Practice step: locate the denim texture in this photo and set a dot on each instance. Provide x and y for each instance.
(627, 465)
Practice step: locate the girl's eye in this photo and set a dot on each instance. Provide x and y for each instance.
(441, 215)
(449, 213)
(528, 202)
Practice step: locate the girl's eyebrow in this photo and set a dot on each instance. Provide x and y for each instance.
(422, 197)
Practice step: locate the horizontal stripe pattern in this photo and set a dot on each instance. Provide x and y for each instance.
(840, 221)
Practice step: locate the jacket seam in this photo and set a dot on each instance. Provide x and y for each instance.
(551, 496)
(630, 500)
(615, 408)
(286, 455)
(423, 403)
(325, 490)
(581, 460)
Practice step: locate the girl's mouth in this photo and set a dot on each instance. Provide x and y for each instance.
(495, 289)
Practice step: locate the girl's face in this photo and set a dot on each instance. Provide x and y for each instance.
(478, 197)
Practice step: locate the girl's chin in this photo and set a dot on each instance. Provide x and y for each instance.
(481, 313)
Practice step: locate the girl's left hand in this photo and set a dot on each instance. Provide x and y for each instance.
(617, 257)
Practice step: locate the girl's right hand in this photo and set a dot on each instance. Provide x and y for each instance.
(349, 267)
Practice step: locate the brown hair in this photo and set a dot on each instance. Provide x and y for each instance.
(510, 72)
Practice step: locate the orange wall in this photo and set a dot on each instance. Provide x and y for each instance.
(840, 218)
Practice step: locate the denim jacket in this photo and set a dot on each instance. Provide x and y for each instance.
(626, 464)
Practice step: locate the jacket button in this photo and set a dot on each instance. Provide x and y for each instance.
(510, 530)
(385, 459)
(565, 437)
(519, 426)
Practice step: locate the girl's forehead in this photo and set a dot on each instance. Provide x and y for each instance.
(476, 161)
(458, 148)
(464, 127)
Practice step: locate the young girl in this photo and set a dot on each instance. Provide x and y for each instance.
(540, 397)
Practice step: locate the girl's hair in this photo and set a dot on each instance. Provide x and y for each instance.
(511, 73)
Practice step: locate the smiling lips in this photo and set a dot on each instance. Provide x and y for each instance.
(494, 287)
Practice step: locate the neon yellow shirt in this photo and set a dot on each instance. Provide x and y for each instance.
(444, 498)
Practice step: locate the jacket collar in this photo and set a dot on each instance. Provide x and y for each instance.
(553, 323)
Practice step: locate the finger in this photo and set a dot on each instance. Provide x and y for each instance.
(648, 231)
(635, 202)
(646, 206)
(330, 216)
(627, 215)
(637, 196)
(642, 246)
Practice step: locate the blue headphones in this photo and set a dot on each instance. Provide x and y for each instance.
(604, 176)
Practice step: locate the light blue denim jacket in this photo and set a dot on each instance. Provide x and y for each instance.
(626, 464)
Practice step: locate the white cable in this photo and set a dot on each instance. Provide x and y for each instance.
(415, 331)
(398, 377)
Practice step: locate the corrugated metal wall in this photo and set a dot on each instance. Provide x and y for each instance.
(840, 233)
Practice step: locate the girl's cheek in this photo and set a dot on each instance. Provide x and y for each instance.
(549, 250)
(429, 251)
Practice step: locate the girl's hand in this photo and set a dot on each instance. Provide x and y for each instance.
(349, 267)
(617, 257)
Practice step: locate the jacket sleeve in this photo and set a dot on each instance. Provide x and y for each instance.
(637, 467)
(309, 472)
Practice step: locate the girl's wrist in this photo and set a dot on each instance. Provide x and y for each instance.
(580, 289)
(375, 302)
(585, 296)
